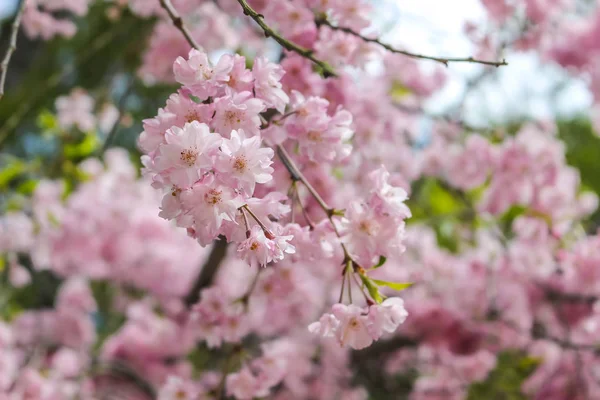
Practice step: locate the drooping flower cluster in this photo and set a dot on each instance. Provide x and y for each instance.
(259, 158)
(375, 228)
(356, 327)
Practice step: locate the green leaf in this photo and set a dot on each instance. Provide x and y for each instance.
(505, 381)
(381, 261)
(83, 149)
(372, 288)
(398, 91)
(27, 187)
(195, 99)
(13, 170)
(47, 122)
(393, 285)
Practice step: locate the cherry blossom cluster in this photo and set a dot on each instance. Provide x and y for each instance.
(353, 326)
(260, 254)
(39, 21)
(96, 230)
(211, 156)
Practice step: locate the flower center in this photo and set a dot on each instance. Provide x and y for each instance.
(240, 164)
(192, 116)
(314, 136)
(353, 324)
(189, 156)
(254, 246)
(367, 227)
(180, 394)
(232, 117)
(213, 196)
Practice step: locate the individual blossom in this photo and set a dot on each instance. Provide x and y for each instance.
(387, 199)
(244, 385)
(325, 327)
(210, 203)
(262, 249)
(199, 75)
(181, 109)
(369, 235)
(267, 83)
(320, 137)
(176, 388)
(243, 163)
(240, 77)
(387, 316)
(238, 111)
(186, 154)
(76, 110)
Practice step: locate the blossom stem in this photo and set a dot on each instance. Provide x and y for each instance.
(286, 44)
(348, 272)
(266, 230)
(343, 285)
(12, 46)
(304, 211)
(442, 60)
(298, 176)
(362, 289)
(248, 233)
(246, 297)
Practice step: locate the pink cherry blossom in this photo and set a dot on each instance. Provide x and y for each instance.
(260, 249)
(240, 111)
(267, 85)
(243, 162)
(186, 154)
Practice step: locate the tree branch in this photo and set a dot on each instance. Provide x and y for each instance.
(12, 46)
(298, 176)
(572, 298)
(442, 60)
(178, 22)
(286, 44)
(208, 272)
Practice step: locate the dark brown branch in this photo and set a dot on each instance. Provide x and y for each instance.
(209, 270)
(178, 22)
(120, 370)
(442, 60)
(12, 46)
(572, 298)
(286, 44)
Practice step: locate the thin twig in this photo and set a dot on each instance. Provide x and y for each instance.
(12, 46)
(99, 43)
(266, 230)
(286, 44)
(297, 176)
(179, 24)
(442, 60)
